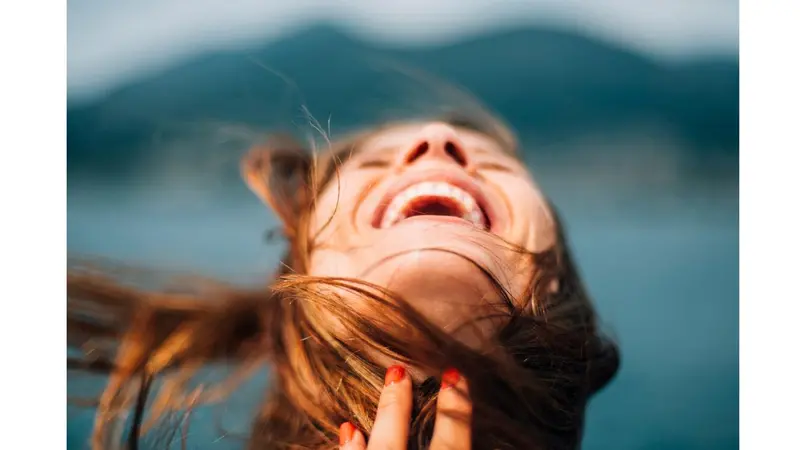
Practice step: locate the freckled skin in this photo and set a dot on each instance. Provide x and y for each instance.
(407, 258)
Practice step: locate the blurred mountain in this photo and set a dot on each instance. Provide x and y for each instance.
(547, 83)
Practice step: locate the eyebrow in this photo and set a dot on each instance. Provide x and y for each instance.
(380, 151)
(484, 151)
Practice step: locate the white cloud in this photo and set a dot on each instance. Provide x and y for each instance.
(109, 41)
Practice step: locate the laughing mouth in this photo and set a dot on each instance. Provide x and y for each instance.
(433, 199)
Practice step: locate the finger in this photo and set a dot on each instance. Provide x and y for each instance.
(390, 431)
(453, 414)
(350, 438)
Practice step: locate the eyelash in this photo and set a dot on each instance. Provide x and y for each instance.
(374, 164)
(382, 163)
(492, 166)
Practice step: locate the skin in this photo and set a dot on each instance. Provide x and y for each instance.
(447, 287)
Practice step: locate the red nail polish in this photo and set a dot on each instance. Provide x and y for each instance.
(394, 374)
(449, 378)
(346, 432)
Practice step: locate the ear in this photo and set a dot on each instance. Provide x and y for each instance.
(278, 173)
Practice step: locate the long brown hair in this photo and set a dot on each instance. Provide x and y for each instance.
(529, 390)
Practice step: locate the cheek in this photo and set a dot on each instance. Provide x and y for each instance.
(330, 263)
(333, 233)
(330, 257)
(330, 213)
(533, 224)
(542, 223)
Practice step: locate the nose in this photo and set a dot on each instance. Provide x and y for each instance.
(436, 141)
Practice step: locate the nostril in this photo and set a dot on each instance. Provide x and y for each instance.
(417, 152)
(455, 152)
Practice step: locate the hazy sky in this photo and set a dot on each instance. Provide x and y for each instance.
(110, 42)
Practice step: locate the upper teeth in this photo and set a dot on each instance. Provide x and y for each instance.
(396, 211)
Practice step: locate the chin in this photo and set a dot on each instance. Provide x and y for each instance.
(430, 272)
(445, 287)
(438, 253)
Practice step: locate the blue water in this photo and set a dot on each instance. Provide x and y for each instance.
(662, 266)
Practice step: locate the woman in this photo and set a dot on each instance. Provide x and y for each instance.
(422, 247)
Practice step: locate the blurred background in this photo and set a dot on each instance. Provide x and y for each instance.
(628, 112)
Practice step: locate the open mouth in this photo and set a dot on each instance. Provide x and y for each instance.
(432, 198)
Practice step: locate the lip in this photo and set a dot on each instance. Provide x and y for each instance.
(458, 179)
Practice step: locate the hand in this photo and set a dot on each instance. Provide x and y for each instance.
(390, 431)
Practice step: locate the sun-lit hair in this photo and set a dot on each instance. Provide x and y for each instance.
(529, 388)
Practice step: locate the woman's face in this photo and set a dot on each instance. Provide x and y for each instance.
(426, 210)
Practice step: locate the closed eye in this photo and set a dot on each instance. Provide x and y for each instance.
(373, 164)
(493, 166)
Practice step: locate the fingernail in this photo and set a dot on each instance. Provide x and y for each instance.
(449, 378)
(394, 374)
(346, 432)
